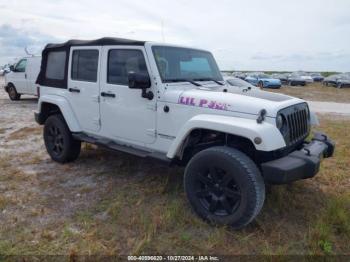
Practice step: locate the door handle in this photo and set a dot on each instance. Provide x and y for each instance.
(104, 94)
(74, 90)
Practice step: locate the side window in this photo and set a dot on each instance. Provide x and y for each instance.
(85, 65)
(56, 64)
(21, 66)
(121, 62)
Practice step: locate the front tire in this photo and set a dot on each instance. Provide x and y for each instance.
(60, 144)
(12, 92)
(261, 85)
(224, 186)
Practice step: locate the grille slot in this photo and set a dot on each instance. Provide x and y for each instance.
(298, 123)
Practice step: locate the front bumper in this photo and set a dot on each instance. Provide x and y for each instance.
(300, 164)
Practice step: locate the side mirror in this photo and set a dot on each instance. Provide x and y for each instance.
(12, 68)
(140, 81)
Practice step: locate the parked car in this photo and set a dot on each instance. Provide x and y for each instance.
(240, 75)
(307, 78)
(4, 70)
(317, 77)
(169, 102)
(263, 81)
(234, 81)
(337, 80)
(295, 79)
(343, 81)
(21, 79)
(283, 77)
(331, 80)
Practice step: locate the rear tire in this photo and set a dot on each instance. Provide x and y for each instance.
(60, 144)
(224, 186)
(12, 92)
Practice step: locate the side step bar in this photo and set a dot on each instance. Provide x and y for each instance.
(118, 147)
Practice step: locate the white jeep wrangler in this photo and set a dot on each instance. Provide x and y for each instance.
(170, 103)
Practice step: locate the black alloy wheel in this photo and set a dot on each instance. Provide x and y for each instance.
(218, 192)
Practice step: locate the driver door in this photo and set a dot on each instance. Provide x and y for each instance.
(125, 115)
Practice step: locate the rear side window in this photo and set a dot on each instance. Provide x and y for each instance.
(56, 62)
(21, 66)
(121, 62)
(85, 65)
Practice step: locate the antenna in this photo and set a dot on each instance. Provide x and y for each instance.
(27, 52)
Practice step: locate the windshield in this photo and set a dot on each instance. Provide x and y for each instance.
(182, 64)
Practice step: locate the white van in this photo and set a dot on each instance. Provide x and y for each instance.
(22, 78)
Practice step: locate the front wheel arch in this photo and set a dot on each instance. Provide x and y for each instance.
(12, 92)
(202, 139)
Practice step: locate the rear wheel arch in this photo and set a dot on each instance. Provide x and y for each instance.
(50, 105)
(59, 142)
(47, 109)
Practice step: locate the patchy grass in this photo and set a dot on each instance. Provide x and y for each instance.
(316, 92)
(108, 203)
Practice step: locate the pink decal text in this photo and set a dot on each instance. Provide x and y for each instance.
(191, 101)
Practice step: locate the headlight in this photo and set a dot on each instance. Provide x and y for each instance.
(279, 122)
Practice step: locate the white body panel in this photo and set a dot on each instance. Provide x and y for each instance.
(24, 82)
(85, 104)
(138, 122)
(127, 117)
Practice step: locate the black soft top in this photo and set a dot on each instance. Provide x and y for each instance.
(65, 47)
(98, 42)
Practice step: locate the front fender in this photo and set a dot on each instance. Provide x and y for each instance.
(65, 109)
(248, 128)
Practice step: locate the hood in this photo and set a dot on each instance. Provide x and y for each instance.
(236, 100)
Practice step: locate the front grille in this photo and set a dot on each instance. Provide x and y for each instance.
(298, 123)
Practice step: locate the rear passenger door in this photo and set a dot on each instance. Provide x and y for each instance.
(83, 86)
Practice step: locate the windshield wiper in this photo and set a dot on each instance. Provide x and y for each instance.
(210, 79)
(183, 80)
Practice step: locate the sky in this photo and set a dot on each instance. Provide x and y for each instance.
(278, 35)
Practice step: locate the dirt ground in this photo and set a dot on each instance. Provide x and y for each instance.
(109, 203)
(316, 92)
